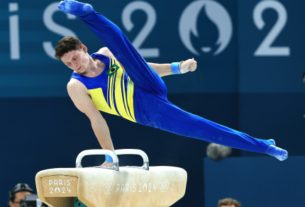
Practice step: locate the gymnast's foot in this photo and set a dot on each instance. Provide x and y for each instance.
(75, 8)
(277, 152)
(272, 141)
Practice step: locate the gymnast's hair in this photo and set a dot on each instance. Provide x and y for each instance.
(228, 201)
(65, 45)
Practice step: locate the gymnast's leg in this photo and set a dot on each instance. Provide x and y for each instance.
(138, 70)
(171, 118)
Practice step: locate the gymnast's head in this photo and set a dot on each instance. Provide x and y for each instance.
(73, 53)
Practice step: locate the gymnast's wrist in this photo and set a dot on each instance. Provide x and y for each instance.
(108, 158)
(175, 67)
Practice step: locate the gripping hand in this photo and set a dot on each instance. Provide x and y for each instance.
(188, 65)
(75, 8)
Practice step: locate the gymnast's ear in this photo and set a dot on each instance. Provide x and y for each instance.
(84, 48)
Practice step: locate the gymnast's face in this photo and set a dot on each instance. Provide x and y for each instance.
(77, 60)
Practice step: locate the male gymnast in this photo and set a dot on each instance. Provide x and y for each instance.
(117, 80)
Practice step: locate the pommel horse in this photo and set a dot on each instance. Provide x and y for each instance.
(145, 186)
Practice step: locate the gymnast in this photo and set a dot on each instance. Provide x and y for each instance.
(117, 80)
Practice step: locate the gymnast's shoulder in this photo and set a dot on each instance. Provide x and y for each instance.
(80, 97)
(75, 88)
(105, 51)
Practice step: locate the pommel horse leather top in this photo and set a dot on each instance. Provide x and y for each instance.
(144, 186)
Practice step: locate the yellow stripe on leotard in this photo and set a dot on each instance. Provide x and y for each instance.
(116, 95)
(130, 92)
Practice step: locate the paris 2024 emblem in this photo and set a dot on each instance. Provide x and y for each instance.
(217, 15)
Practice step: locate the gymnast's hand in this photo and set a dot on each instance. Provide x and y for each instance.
(75, 8)
(107, 164)
(188, 65)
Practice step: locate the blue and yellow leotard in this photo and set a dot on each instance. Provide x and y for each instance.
(112, 91)
(141, 97)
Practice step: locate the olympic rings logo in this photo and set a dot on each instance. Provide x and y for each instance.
(107, 188)
(163, 186)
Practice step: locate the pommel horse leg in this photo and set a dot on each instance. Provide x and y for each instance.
(145, 186)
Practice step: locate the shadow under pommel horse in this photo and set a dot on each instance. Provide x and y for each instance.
(145, 186)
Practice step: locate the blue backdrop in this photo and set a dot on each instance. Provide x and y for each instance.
(249, 77)
(255, 181)
(161, 31)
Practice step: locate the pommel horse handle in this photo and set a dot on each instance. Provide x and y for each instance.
(98, 152)
(114, 156)
(135, 152)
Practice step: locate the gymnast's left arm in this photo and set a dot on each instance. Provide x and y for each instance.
(161, 69)
(166, 69)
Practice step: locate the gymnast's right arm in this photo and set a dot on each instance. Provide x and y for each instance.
(82, 101)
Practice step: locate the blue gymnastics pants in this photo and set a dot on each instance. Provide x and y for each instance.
(151, 105)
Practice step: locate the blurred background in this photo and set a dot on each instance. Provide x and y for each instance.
(249, 77)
